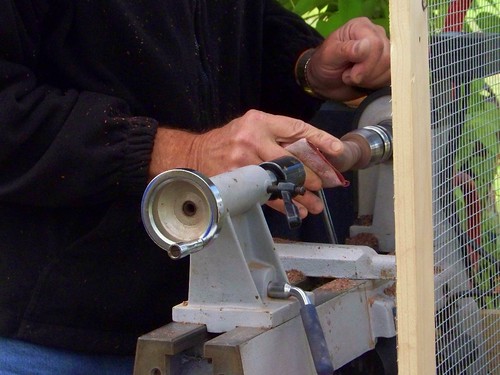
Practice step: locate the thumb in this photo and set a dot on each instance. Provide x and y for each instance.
(354, 51)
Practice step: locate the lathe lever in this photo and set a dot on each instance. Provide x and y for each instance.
(288, 190)
(312, 326)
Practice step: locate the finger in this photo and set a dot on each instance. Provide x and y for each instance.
(285, 130)
(355, 51)
(288, 130)
(367, 64)
(313, 181)
(310, 201)
(366, 75)
(372, 68)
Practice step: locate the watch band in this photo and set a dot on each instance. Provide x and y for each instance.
(301, 73)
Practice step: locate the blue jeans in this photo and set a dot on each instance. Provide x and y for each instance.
(22, 358)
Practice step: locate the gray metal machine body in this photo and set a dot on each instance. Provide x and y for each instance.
(229, 323)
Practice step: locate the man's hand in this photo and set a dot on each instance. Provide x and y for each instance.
(251, 139)
(357, 55)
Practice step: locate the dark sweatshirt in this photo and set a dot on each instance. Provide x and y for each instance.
(83, 86)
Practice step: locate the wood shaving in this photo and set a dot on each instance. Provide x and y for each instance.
(338, 285)
(365, 239)
(364, 220)
(295, 276)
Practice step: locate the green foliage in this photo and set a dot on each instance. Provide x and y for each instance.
(482, 16)
(479, 154)
(328, 15)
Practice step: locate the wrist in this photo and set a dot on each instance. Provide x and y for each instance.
(172, 148)
(302, 73)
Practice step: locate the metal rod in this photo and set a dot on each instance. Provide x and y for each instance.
(327, 219)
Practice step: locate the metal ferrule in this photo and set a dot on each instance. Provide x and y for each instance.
(182, 249)
(285, 290)
(379, 139)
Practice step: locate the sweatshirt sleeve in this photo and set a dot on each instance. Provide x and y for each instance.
(286, 37)
(61, 147)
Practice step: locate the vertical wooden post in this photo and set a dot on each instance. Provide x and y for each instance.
(413, 187)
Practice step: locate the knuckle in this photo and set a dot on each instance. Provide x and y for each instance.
(298, 126)
(253, 115)
(237, 159)
(380, 30)
(360, 20)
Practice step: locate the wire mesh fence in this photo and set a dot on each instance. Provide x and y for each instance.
(464, 48)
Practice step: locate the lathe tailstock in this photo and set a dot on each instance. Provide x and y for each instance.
(245, 315)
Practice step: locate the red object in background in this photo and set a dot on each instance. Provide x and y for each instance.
(473, 211)
(454, 20)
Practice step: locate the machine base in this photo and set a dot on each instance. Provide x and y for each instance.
(345, 315)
